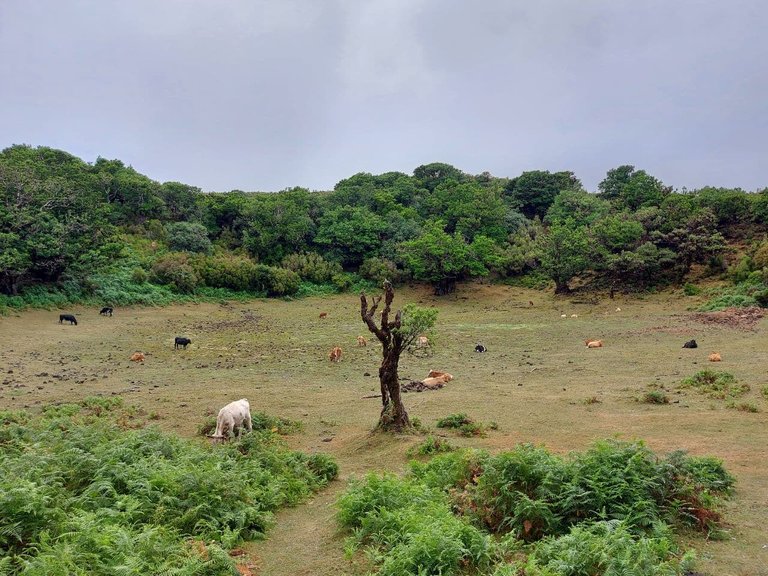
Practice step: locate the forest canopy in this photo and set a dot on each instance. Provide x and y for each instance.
(74, 231)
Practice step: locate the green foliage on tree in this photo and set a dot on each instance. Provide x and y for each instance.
(188, 237)
(632, 189)
(440, 258)
(350, 234)
(567, 251)
(535, 191)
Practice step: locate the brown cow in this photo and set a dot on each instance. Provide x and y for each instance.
(715, 357)
(433, 383)
(438, 374)
(137, 357)
(323, 314)
(594, 343)
(335, 354)
(361, 341)
(422, 342)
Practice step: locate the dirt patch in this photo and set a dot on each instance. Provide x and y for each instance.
(738, 318)
(419, 386)
(247, 320)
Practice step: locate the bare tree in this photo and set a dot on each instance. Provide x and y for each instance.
(395, 336)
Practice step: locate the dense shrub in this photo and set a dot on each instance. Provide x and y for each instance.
(609, 510)
(188, 237)
(81, 494)
(379, 269)
(312, 267)
(229, 271)
(716, 384)
(175, 269)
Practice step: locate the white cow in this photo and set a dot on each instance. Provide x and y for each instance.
(231, 419)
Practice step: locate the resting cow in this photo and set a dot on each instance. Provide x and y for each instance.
(361, 341)
(69, 318)
(323, 314)
(715, 357)
(481, 348)
(335, 354)
(690, 344)
(594, 343)
(106, 311)
(137, 357)
(181, 342)
(439, 374)
(422, 342)
(232, 418)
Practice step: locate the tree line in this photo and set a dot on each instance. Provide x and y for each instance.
(68, 223)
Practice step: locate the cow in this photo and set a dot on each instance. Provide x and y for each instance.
(106, 311)
(480, 348)
(335, 354)
(181, 342)
(361, 341)
(137, 357)
(323, 314)
(715, 357)
(433, 383)
(231, 420)
(69, 318)
(530, 302)
(690, 344)
(594, 343)
(439, 374)
(422, 342)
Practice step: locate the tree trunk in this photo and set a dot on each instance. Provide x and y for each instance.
(394, 417)
(561, 287)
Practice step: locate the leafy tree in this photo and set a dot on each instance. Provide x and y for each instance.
(696, 242)
(430, 176)
(637, 269)
(632, 189)
(395, 335)
(618, 232)
(276, 225)
(350, 233)
(311, 266)
(567, 252)
(469, 209)
(188, 237)
(175, 269)
(577, 207)
(535, 191)
(440, 258)
(181, 201)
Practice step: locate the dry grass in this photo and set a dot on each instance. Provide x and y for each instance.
(532, 381)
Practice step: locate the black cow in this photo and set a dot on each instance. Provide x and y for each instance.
(181, 342)
(690, 344)
(481, 348)
(69, 318)
(106, 311)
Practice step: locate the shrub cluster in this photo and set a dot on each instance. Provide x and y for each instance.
(716, 384)
(79, 493)
(605, 511)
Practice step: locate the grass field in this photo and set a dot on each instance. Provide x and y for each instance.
(537, 381)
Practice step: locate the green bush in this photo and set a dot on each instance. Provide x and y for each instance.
(228, 271)
(139, 276)
(175, 269)
(609, 510)
(311, 267)
(430, 446)
(463, 424)
(716, 384)
(655, 397)
(691, 289)
(188, 237)
(379, 269)
(82, 491)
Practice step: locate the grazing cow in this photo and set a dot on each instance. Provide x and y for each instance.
(181, 342)
(618, 309)
(361, 341)
(438, 374)
(422, 342)
(231, 419)
(574, 315)
(323, 314)
(690, 344)
(715, 357)
(106, 311)
(563, 316)
(335, 354)
(137, 357)
(594, 343)
(481, 348)
(69, 318)
(530, 302)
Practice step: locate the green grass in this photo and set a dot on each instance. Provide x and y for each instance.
(715, 384)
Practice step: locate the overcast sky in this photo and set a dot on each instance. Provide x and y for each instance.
(269, 94)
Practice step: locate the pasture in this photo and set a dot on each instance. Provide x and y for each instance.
(537, 381)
